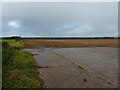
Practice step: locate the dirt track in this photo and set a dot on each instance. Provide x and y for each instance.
(77, 67)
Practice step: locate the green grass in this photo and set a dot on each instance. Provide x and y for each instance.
(17, 44)
(9, 41)
(21, 72)
(80, 67)
(19, 68)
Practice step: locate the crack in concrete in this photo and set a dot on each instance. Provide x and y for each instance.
(81, 67)
(49, 66)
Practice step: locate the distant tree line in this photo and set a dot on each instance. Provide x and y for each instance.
(18, 37)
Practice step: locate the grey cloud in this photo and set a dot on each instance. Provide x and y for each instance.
(61, 19)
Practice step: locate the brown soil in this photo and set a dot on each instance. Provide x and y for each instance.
(73, 43)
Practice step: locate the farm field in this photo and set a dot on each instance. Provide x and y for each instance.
(66, 43)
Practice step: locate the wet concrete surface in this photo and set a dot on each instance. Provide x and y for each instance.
(95, 67)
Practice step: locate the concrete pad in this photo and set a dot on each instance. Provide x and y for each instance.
(46, 58)
(100, 67)
(69, 77)
(101, 61)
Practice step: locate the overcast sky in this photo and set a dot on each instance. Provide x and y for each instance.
(76, 19)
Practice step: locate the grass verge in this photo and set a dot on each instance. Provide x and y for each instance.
(18, 69)
(17, 44)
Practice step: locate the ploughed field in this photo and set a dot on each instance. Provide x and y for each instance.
(66, 43)
(81, 63)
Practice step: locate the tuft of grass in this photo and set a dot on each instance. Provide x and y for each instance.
(48, 66)
(80, 67)
(113, 56)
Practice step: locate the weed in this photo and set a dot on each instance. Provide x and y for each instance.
(80, 67)
(113, 56)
